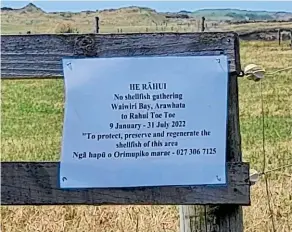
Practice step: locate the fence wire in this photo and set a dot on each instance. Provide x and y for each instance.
(266, 126)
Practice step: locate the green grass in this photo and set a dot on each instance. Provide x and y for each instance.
(32, 115)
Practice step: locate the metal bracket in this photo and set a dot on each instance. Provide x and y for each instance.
(241, 74)
(85, 46)
(237, 74)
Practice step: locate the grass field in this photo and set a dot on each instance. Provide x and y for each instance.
(32, 113)
(128, 19)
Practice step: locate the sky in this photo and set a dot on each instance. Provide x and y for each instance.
(164, 6)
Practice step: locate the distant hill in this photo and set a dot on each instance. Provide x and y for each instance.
(210, 14)
(29, 8)
(137, 19)
(241, 15)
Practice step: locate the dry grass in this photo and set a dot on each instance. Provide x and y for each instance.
(258, 25)
(90, 218)
(32, 114)
(277, 91)
(125, 19)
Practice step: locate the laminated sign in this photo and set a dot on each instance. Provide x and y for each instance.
(144, 121)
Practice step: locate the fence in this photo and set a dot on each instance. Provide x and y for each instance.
(265, 117)
(35, 183)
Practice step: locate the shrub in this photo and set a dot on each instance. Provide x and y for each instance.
(66, 28)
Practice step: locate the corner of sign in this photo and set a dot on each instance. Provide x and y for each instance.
(220, 180)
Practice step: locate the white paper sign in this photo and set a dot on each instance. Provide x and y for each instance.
(144, 121)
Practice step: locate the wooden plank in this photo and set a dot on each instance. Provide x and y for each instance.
(36, 183)
(40, 55)
(220, 218)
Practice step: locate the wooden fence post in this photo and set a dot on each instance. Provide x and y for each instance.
(279, 36)
(203, 24)
(96, 25)
(223, 218)
(36, 183)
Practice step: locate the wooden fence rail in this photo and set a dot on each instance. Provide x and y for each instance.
(35, 183)
(40, 56)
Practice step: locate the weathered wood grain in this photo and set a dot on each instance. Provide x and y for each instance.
(40, 56)
(220, 218)
(29, 183)
(230, 217)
